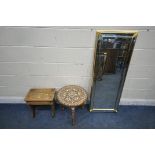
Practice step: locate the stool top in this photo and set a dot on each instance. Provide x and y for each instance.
(40, 95)
(72, 95)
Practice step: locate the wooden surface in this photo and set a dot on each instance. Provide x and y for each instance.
(40, 95)
(72, 96)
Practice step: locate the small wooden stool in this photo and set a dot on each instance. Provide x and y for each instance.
(72, 96)
(38, 97)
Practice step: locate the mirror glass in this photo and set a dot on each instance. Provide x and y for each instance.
(112, 57)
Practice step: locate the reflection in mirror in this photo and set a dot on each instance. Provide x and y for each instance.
(112, 57)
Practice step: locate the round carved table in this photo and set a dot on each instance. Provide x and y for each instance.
(72, 96)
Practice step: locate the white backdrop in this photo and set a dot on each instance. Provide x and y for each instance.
(58, 56)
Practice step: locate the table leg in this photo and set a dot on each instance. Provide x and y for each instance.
(73, 115)
(53, 110)
(33, 110)
(62, 107)
(82, 107)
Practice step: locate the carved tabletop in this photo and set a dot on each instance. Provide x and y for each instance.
(72, 96)
(42, 96)
(37, 95)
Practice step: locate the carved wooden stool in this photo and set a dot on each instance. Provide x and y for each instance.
(72, 96)
(38, 97)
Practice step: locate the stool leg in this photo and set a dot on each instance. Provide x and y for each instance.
(82, 107)
(73, 116)
(33, 111)
(53, 110)
(62, 107)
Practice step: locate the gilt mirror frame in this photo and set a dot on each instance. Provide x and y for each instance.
(98, 32)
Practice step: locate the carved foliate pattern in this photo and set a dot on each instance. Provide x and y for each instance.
(72, 95)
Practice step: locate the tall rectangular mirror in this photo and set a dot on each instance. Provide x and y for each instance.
(111, 61)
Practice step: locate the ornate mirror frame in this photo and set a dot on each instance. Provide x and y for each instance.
(115, 109)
